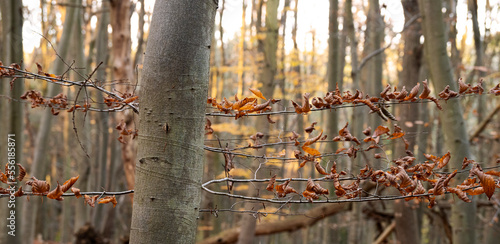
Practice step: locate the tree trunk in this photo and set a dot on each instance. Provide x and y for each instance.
(267, 48)
(333, 67)
(170, 148)
(12, 15)
(407, 221)
(453, 126)
(40, 159)
(122, 72)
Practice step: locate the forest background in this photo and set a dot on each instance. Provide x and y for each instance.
(285, 49)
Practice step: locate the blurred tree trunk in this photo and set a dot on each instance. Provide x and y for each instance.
(333, 67)
(102, 55)
(40, 163)
(140, 37)
(478, 72)
(453, 126)
(407, 221)
(12, 25)
(354, 230)
(371, 74)
(84, 164)
(123, 73)
(267, 47)
(174, 85)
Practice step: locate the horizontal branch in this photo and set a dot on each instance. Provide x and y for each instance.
(63, 82)
(70, 194)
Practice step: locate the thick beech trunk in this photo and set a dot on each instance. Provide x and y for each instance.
(172, 118)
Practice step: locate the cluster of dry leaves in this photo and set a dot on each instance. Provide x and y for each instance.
(408, 178)
(242, 107)
(42, 188)
(335, 98)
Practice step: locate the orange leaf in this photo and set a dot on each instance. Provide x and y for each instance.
(76, 191)
(311, 151)
(130, 99)
(443, 161)
(69, 183)
(90, 200)
(108, 199)
(257, 93)
(56, 193)
(380, 130)
(313, 140)
(320, 169)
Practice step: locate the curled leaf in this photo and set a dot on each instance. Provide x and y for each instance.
(76, 191)
(270, 185)
(257, 93)
(56, 193)
(108, 199)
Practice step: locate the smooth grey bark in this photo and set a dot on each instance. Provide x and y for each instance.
(463, 219)
(12, 24)
(172, 118)
(39, 163)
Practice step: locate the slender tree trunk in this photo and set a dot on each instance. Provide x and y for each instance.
(123, 73)
(453, 126)
(407, 224)
(102, 55)
(333, 67)
(40, 159)
(12, 14)
(174, 89)
(268, 48)
(140, 37)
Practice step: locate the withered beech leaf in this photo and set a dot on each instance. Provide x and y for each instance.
(283, 189)
(443, 161)
(270, 120)
(313, 139)
(413, 93)
(90, 200)
(56, 193)
(311, 151)
(22, 172)
(310, 128)
(487, 181)
(108, 199)
(319, 168)
(270, 185)
(380, 130)
(208, 127)
(460, 194)
(76, 191)
(69, 183)
(425, 93)
(257, 93)
(19, 192)
(310, 196)
(38, 186)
